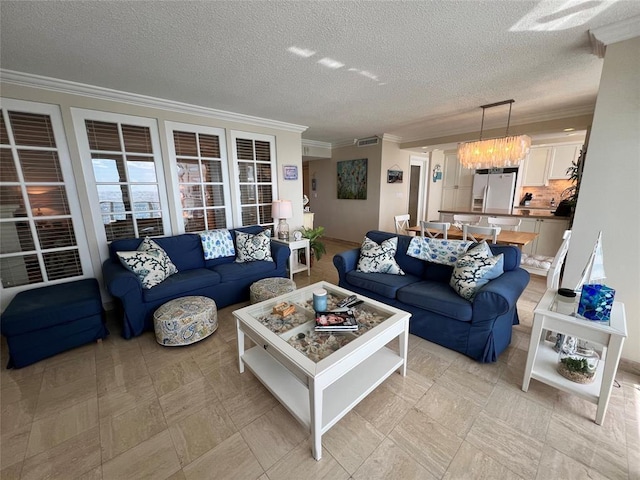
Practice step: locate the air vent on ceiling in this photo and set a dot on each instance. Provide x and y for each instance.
(365, 142)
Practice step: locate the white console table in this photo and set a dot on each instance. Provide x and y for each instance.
(542, 359)
(294, 264)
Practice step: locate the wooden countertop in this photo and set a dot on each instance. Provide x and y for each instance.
(538, 213)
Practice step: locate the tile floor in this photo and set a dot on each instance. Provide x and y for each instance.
(128, 409)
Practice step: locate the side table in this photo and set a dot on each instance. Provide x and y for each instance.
(294, 265)
(542, 359)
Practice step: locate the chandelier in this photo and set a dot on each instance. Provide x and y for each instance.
(496, 152)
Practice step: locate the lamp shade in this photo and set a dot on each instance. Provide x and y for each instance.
(281, 209)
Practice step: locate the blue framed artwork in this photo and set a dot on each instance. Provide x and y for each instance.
(352, 179)
(290, 172)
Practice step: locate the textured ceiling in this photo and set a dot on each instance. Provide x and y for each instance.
(411, 69)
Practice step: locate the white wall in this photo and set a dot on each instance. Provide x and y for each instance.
(346, 219)
(434, 196)
(609, 197)
(394, 197)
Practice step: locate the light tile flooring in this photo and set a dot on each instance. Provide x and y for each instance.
(127, 409)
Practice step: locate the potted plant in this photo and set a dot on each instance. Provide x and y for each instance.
(570, 194)
(316, 246)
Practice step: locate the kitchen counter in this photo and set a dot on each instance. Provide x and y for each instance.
(519, 213)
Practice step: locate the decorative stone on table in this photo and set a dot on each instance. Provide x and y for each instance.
(596, 302)
(185, 320)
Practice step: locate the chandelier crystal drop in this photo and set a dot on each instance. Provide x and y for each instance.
(507, 151)
(494, 153)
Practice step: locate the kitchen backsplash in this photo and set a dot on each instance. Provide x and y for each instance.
(542, 195)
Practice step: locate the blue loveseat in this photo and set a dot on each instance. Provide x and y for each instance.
(480, 329)
(221, 279)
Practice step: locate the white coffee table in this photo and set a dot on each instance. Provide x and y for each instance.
(319, 387)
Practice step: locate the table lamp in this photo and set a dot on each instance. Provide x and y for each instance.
(282, 209)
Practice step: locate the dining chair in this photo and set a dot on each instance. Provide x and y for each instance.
(402, 223)
(468, 232)
(505, 222)
(441, 226)
(467, 219)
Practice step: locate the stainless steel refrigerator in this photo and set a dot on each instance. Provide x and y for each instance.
(493, 192)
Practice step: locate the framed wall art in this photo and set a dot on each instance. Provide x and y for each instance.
(352, 179)
(394, 176)
(290, 172)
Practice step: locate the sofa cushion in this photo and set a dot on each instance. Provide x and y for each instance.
(148, 244)
(182, 283)
(380, 283)
(437, 250)
(408, 264)
(475, 270)
(376, 258)
(436, 297)
(184, 250)
(217, 244)
(250, 248)
(149, 262)
(230, 272)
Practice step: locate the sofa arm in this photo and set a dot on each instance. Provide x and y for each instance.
(499, 295)
(280, 254)
(120, 282)
(346, 261)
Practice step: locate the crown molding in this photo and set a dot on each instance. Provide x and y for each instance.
(391, 138)
(315, 143)
(615, 32)
(101, 93)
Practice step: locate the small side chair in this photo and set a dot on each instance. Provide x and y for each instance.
(441, 226)
(468, 232)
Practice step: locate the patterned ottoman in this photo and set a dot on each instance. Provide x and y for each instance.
(185, 320)
(269, 288)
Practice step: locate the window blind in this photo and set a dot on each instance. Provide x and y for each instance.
(39, 243)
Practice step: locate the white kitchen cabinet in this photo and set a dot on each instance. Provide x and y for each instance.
(546, 163)
(536, 166)
(563, 156)
(457, 184)
(549, 239)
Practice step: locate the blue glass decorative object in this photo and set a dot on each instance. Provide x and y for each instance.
(596, 302)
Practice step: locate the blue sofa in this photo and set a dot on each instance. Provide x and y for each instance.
(221, 279)
(480, 329)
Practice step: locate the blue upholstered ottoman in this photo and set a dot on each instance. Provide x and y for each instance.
(41, 322)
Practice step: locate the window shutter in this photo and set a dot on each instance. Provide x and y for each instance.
(39, 243)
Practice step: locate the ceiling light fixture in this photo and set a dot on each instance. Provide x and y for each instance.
(497, 152)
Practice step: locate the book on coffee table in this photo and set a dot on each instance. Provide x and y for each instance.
(335, 321)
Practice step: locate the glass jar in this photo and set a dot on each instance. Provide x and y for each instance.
(577, 361)
(566, 301)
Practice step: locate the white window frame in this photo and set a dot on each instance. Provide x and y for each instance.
(170, 127)
(53, 111)
(237, 134)
(79, 117)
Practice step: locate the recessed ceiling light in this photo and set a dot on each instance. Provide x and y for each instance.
(330, 63)
(301, 52)
(568, 130)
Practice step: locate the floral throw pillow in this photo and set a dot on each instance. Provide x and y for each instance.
(150, 263)
(437, 250)
(475, 269)
(251, 248)
(376, 258)
(217, 244)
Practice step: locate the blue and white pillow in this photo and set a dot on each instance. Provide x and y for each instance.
(251, 248)
(217, 244)
(437, 250)
(475, 269)
(376, 258)
(149, 262)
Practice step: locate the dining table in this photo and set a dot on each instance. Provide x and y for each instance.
(508, 237)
